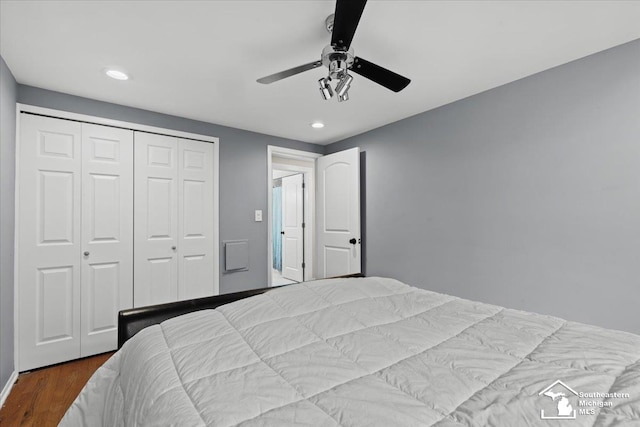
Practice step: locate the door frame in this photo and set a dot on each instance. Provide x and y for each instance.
(309, 204)
(66, 115)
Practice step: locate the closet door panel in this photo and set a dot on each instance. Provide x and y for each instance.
(49, 241)
(107, 234)
(195, 219)
(156, 219)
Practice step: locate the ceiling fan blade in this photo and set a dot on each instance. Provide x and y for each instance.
(345, 22)
(290, 72)
(382, 76)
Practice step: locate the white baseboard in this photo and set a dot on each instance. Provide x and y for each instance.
(7, 387)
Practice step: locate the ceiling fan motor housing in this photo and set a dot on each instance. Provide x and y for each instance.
(337, 61)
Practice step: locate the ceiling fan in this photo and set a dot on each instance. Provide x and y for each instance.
(339, 58)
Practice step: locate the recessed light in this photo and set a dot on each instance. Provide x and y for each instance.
(317, 125)
(116, 74)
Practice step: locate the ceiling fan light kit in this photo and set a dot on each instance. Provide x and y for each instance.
(339, 57)
(325, 88)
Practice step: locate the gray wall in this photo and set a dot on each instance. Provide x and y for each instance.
(243, 170)
(526, 196)
(8, 89)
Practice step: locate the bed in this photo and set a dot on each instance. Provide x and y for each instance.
(365, 352)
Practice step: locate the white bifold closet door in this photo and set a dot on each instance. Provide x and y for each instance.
(173, 219)
(75, 239)
(107, 234)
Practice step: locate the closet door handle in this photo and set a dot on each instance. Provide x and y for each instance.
(86, 253)
(173, 248)
(353, 241)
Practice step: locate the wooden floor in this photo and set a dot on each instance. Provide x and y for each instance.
(41, 397)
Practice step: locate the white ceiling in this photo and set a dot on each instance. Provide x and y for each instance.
(201, 59)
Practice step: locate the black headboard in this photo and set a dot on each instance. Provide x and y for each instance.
(133, 320)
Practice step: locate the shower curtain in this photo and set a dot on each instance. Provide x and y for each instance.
(277, 227)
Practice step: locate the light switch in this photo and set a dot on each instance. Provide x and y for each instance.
(258, 215)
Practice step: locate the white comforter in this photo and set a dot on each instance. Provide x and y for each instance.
(365, 352)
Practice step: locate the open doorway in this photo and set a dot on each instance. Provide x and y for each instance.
(329, 222)
(291, 210)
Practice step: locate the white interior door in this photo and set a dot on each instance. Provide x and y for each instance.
(338, 213)
(49, 241)
(195, 219)
(155, 219)
(292, 220)
(107, 234)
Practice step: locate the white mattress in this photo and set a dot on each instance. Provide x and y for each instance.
(364, 352)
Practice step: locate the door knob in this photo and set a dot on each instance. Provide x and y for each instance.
(86, 253)
(353, 241)
(173, 248)
(282, 232)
